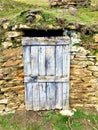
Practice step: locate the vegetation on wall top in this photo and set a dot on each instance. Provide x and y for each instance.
(11, 9)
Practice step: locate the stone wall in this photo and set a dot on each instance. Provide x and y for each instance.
(83, 81)
(84, 78)
(11, 80)
(70, 2)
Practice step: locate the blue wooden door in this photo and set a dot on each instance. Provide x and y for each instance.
(46, 73)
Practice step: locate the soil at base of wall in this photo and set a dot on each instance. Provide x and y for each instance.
(24, 119)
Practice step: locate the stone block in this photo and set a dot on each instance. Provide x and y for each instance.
(18, 89)
(7, 44)
(93, 68)
(85, 63)
(13, 34)
(9, 110)
(1, 76)
(11, 105)
(21, 107)
(5, 89)
(13, 52)
(95, 74)
(96, 38)
(1, 82)
(80, 72)
(23, 26)
(96, 94)
(5, 25)
(2, 107)
(4, 101)
(10, 63)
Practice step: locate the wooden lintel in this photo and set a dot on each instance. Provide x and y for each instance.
(43, 41)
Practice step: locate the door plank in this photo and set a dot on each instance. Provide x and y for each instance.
(50, 60)
(41, 60)
(65, 95)
(66, 62)
(29, 96)
(59, 95)
(42, 102)
(34, 60)
(35, 96)
(59, 61)
(27, 65)
(51, 95)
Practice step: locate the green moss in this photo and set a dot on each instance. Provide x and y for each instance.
(50, 18)
(95, 51)
(77, 45)
(15, 43)
(88, 38)
(2, 36)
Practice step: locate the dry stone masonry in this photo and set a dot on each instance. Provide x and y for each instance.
(84, 78)
(83, 81)
(11, 80)
(66, 3)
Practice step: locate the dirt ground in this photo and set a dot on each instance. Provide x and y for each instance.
(25, 119)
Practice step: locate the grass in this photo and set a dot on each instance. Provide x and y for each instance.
(6, 125)
(33, 2)
(11, 9)
(81, 120)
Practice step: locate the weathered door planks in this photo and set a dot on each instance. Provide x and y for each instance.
(27, 65)
(59, 60)
(42, 95)
(35, 96)
(34, 60)
(29, 96)
(59, 95)
(41, 60)
(50, 60)
(65, 95)
(46, 73)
